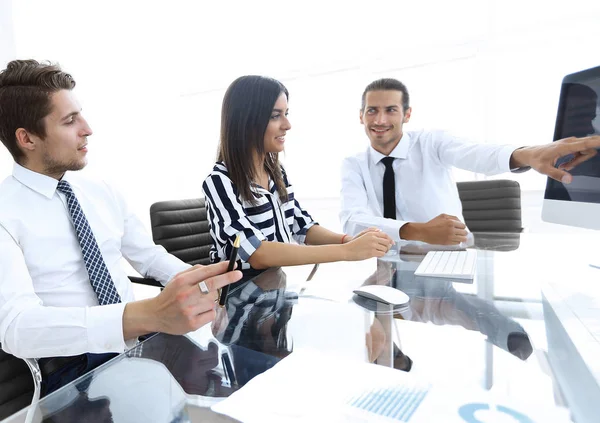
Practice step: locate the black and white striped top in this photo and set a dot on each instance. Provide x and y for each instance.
(267, 220)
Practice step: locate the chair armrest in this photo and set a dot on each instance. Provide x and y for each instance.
(146, 281)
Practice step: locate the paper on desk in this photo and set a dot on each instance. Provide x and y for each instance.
(310, 385)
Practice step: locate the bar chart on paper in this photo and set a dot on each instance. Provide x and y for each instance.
(397, 403)
(422, 403)
(373, 394)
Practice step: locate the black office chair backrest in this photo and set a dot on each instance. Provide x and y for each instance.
(491, 206)
(181, 226)
(16, 385)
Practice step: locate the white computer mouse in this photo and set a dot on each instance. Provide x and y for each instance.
(384, 294)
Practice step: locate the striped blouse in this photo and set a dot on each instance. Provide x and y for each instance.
(267, 220)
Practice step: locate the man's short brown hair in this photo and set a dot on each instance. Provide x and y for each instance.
(26, 87)
(387, 84)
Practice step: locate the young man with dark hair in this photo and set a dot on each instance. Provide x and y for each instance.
(403, 183)
(63, 296)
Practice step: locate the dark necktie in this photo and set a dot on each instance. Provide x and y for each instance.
(389, 189)
(100, 278)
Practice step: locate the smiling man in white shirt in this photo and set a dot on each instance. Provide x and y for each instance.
(63, 294)
(403, 183)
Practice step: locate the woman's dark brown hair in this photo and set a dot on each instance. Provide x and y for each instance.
(247, 108)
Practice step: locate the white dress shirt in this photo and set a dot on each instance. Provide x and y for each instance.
(48, 307)
(425, 187)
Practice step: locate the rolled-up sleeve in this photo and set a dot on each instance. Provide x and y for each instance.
(227, 217)
(302, 223)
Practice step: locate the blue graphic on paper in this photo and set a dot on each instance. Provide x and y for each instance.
(467, 412)
(398, 403)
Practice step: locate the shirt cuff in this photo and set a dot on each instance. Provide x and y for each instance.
(105, 328)
(392, 228)
(518, 169)
(504, 157)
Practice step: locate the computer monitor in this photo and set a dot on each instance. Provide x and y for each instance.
(578, 203)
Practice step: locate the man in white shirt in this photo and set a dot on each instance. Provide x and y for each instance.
(63, 293)
(403, 183)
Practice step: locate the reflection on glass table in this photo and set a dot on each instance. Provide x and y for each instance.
(435, 300)
(124, 389)
(451, 333)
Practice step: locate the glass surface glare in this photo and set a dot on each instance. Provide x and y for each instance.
(493, 333)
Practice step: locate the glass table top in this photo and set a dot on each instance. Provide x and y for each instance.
(489, 333)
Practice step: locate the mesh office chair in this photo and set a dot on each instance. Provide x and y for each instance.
(494, 208)
(17, 389)
(181, 226)
(491, 206)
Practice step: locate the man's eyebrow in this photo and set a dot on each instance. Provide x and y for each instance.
(69, 115)
(279, 110)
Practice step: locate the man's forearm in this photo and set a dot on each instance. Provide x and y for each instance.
(411, 231)
(138, 319)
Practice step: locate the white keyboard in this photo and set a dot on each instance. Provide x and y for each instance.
(448, 264)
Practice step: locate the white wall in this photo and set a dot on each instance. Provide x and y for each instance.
(151, 76)
(7, 53)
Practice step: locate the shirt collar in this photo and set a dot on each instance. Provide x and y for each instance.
(258, 188)
(41, 184)
(399, 152)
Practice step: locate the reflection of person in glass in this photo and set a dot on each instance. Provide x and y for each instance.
(82, 409)
(441, 304)
(580, 111)
(376, 337)
(254, 323)
(436, 301)
(577, 121)
(195, 369)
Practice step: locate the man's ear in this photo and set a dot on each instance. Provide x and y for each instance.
(407, 114)
(361, 117)
(25, 140)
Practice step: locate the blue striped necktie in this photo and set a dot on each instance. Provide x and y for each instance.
(100, 278)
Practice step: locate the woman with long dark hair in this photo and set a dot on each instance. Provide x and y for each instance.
(248, 191)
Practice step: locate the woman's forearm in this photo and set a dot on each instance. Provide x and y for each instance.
(272, 254)
(318, 235)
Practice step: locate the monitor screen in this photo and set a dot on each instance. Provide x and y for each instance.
(578, 115)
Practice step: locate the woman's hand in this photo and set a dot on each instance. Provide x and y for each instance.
(367, 244)
(348, 238)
